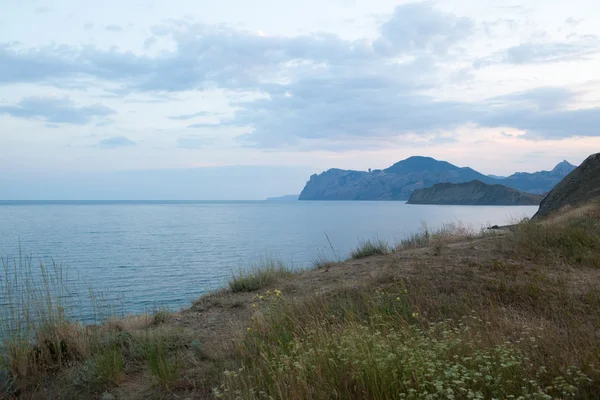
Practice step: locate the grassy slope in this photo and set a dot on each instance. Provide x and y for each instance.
(515, 314)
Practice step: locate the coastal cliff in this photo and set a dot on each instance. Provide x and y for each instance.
(473, 193)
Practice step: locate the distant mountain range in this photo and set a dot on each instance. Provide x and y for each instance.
(287, 197)
(401, 179)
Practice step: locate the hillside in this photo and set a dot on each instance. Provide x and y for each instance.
(493, 315)
(578, 187)
(473, 193)
(399, 180)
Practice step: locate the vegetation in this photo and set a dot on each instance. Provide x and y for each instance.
(571, 237)
(377, 346)
(448, 233)
(257, 276)
(513, 315)
(371, 247)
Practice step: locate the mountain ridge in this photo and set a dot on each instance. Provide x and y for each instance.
(473, 193)
(398, 181)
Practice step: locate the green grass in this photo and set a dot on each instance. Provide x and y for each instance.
(371, 247)
(110, 365)
(161, 361)
(259, 275)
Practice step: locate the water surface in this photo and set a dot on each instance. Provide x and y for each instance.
(154, 254)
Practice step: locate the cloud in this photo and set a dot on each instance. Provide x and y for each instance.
(572, 22)
(417, 26)
(544, 98)
(536, 53)
(105, 122)
(320, 88)
(191, 143)
(190, 116)
(56, 110)
(214, 55)
(43, 10)
(115, 141)
(52, 126)
(88, 26)
(113, 28)
(212, 125)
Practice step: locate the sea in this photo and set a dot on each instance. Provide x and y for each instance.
(147, 255)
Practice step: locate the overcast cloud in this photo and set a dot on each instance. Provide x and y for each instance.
(158, 85)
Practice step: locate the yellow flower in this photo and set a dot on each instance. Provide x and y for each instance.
(277, 292)
(249, 329)
(415, 315)
(398, 298)
(261, 297)
(268, 292)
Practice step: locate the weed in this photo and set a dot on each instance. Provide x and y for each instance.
(160, 317)
(110, 365)
(371, 247)
(259, 275)
(165, 367)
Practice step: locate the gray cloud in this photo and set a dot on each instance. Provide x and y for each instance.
(55, 110)
(320, 87)
(228, 58)
(572, 22)
(52, 126)
(43, 10)
(379, 114)
(115, 141)
(105, 122)
(190, 116)
(415, 26)
(535, 53)
(545, 98)
(113, 28)
(212, 125)
(191, 143)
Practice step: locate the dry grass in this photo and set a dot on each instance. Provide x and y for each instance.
(448, 233)
(572, 236)
(257, 276)
(371, 247)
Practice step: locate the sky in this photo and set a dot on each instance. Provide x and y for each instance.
(237, 99)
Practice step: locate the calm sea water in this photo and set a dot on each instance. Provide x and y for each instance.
(165, 254)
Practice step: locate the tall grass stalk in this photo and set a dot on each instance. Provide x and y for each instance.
(42, 319)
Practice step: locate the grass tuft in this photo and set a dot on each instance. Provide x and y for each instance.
(258, 276)
(110, 365)
(371, 247)
(161, 361)
(574, 239)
